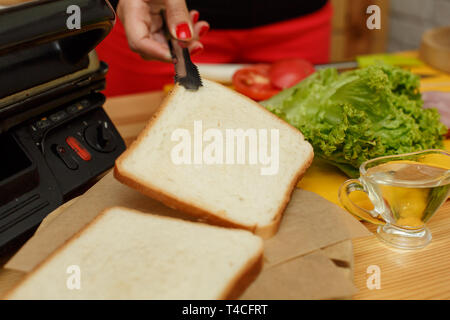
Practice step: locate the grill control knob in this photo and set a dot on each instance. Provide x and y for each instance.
(100, 137)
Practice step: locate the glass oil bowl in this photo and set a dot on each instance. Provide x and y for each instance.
(405, 190)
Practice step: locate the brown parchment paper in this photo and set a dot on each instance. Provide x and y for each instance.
(312, 276)
(310, 223)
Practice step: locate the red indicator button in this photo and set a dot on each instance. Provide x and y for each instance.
(78, 148)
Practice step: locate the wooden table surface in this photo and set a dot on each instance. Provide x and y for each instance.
(421, 274)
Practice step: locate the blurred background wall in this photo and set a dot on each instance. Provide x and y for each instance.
(410, 18)
(350, 36)
(402, 25)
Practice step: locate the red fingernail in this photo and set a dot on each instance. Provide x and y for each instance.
(196, 50)
(203, 31)
(183, 44)
(195, 17)
(183, 32)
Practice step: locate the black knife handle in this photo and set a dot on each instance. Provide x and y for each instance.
(186, 72)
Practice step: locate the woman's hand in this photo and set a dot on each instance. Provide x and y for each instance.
(142, 23)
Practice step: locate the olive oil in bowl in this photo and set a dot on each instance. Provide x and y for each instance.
(406, 191)
(412, 191)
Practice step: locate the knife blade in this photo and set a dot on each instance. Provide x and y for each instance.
(186, 72)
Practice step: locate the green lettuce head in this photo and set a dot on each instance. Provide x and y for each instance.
(360, 115)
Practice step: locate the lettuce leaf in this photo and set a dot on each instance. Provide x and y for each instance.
(360, 114)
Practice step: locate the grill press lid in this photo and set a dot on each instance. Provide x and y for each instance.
(39, 52)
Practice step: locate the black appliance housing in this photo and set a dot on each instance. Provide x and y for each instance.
(55, 137)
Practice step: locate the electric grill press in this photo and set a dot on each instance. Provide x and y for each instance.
(55, 138)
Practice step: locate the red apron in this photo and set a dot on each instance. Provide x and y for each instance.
(307, 37)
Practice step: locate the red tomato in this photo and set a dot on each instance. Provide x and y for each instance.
(254, 82)
(288, 72)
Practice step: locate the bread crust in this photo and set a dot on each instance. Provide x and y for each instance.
(271, 229)
(235, 288)
(174, 202)
(248, 274)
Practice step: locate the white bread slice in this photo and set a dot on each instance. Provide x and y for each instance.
(127, 254)
(235, 195)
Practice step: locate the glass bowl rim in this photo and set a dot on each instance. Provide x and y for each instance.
(362, 167)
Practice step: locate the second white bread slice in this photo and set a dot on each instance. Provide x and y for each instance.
(234, 195)
(126, 254)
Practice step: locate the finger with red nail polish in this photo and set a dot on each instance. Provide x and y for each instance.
(203, 30)
(178, 19)
(183, 31)
(195, 47)
(137, 21)
(196, 50)
(200, 29)
(195, 15)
